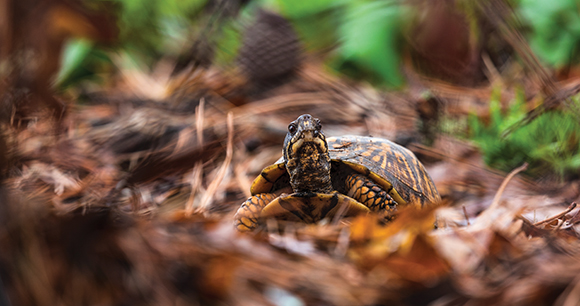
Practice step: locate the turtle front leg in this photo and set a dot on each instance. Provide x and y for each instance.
(369, 193)
(247, 216)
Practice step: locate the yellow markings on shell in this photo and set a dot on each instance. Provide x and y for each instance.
(384, 163)
(431, 189)
(401, 160)
(384, 183)
(381, 181)
(366, 153)
(395, 195)
(409, 172)
(360, 168)
(376, 158)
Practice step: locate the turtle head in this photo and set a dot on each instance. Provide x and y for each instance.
(304, 137)
(306, 156)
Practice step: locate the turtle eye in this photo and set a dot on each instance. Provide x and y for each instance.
(315, 133)
(318, 124)
(292, 128)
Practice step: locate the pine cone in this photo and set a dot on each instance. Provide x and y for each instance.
(270, 49)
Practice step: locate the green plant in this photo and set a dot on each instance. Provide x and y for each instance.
(366, 34)
(551, 142)
(555, 29)
(148, 30)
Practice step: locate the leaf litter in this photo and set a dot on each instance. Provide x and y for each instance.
(128, 199)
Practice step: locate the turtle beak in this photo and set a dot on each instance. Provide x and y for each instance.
(308, 137)
(321, 144)
(297, 145)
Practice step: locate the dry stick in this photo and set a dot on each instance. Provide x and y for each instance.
(432, 153)
(503, 185)
(195, 184)
(569, 209)
(498, 16)
(199, 121)
(494, 75)
(245, 185)
(465, 214)
(342, 243)
(560, 223)
(573, 219)
(212, 188)
(339, 214)
(198, 168)
(281, 102)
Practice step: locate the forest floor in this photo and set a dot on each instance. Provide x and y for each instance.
(128, 199)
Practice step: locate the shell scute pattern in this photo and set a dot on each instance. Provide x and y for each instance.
(389, 160)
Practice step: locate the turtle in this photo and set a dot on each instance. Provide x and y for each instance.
(319, 177)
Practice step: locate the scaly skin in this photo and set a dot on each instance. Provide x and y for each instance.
(248, 215)
(306, 156)
(364, 190)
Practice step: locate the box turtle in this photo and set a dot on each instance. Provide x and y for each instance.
(320, 177)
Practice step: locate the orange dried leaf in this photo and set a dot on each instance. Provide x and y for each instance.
(422, 263)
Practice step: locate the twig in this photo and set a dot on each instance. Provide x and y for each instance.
(244, 184)
(465, 214)
(342, 243)
(419, 148)
(503, 185)
(560, 223)
(569, 209)
(281, 102)
(212, 188)
(195, 187)
(340, 214)
(196, 174)
(574, 218)
(199, 114)
(494, 76)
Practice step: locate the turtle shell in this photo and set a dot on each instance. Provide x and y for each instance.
(386, 163)
(390, 165)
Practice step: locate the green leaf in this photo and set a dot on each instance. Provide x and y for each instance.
(370, 35)
(555, 28)
(298, 9)
(75, 52)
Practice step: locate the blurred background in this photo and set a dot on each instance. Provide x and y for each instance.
(132, 130)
